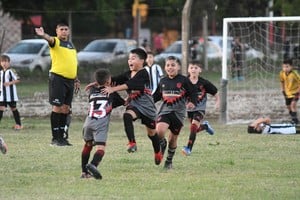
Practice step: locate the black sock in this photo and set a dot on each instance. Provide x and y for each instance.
(17, 117)
(128, 124)
(171, 153)
(294, 117)
(155, 142)
(55, 118)
(192, 136)
(97, 157)
(85, 156)
(62, 124)
(1, 114)
(191, 141)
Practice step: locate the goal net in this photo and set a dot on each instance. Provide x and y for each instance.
(250, 86)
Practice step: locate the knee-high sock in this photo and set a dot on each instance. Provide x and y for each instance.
(55, 120)
(1, 114)
(85, 156)
(171, 153)
(192, 137)
(129, 129)
(17, 118)
(62, 124)
(97, 157)
(155, 142)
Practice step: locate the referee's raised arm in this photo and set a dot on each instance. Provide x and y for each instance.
(40, 32)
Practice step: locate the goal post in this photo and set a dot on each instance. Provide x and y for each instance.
(264, 37)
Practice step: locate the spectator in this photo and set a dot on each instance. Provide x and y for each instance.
(8, 90)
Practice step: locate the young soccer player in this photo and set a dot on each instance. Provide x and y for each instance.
(140, 102)
(263, 125)
(154, 70)
(8, 90)
(95, 128)
(174, 89)
(196, 115)
(290, 86)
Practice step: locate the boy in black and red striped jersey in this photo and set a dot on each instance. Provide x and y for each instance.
(140, 102)
(95, 128)
(174, 89)
(196, 115)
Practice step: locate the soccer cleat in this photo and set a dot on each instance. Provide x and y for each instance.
(86, 175)
(3, 146)
(66, 142)
(94, 171)
(131, 147)
(208, 128)
(158, 158)
(186, 151)
(58, 143)
(163, 145)
(18, 127)
(168, 165)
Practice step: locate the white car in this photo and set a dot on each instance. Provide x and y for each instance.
(30, 54)
(213, 52)
(250, 52)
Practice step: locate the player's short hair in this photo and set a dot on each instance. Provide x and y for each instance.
(141, 53)
(174, 58)
(150, 53)
(288, 61)
(62, 22)
(4, 58)
(102, 75)
(251, 129)
(196, 62)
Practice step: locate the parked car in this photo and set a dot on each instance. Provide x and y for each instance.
(30, 54)
(106, 53)
(250, 52)
(213, 52)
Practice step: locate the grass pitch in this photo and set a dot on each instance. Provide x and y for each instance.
(228, 165)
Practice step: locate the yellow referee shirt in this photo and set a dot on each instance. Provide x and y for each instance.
(64, 59)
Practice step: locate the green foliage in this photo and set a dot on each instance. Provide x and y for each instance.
(229, 165)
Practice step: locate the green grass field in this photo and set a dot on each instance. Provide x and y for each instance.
(229, 165)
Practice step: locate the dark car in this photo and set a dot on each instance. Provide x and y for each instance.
(106, 53)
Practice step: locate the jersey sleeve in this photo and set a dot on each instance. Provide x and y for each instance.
(210, 88)
(191, 90)
(117, 100)
(157, 94)
(139, 81)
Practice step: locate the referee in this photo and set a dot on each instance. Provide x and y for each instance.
(62, 79)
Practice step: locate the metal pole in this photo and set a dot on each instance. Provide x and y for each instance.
(185, 35)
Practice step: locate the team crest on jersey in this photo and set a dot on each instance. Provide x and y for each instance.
(178, 85)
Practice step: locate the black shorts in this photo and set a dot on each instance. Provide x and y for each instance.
(12, 104)
(144, 119)
(61, 90)
(196, 115)
(288, 101)
(175, 124)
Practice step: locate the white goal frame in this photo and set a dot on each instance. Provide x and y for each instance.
(224, 80)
